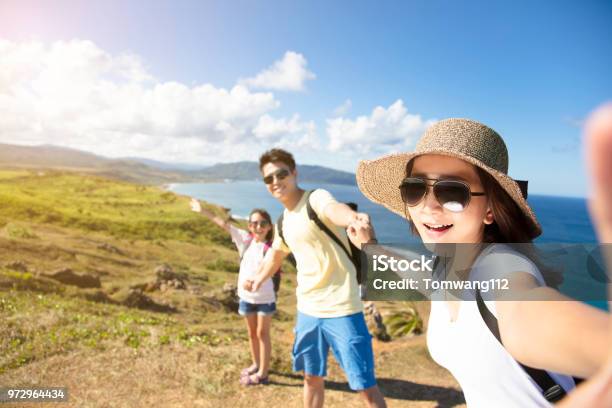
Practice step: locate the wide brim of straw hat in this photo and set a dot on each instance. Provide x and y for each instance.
(379, 181)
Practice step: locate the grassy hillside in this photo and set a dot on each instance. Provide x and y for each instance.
(155, 327)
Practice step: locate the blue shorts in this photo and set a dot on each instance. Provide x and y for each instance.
(262, 309)
(350, 342)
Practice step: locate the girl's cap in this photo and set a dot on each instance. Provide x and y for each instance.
(465, 139)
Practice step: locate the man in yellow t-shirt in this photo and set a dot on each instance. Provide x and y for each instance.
(330, 312)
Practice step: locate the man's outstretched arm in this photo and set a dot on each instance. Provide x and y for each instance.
(342, 215)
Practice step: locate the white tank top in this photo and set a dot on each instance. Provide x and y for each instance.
(488, 375)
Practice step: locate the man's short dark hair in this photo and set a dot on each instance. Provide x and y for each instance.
(277, 155)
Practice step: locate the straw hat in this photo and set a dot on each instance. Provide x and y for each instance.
(465, 139)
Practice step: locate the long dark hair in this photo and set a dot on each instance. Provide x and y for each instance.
(266, 216)
(510, 225)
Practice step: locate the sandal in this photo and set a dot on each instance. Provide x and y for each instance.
(249, 370)
(254, 379)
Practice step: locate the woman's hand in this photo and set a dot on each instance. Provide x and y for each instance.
(248, 285)
(597, 391)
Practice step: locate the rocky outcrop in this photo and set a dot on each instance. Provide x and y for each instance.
(167, 278)
(68, 277)
(18, 266)
(229, 297)
(109, 248)
(135, 298)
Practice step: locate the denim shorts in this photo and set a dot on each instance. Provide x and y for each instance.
(349, 339)
(262, 309)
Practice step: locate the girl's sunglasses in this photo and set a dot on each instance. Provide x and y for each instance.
(279, 174)
(453, 195)
(262, 223)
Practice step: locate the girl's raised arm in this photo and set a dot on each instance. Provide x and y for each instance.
(197, 207)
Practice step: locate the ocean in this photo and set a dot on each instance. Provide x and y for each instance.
(563, 220)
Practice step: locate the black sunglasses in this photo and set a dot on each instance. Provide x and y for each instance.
(279, 174)
(453, 195)
(262, 223)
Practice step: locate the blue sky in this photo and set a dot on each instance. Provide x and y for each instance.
(531, 70)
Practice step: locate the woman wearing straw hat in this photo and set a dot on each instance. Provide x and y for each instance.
(454, 188)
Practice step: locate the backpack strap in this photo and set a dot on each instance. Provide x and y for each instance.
(279, 227)
(312, 214)
(245, 248)
(277, 275)
(267, 246)
(550, 389)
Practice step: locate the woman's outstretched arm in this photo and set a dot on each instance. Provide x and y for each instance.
(597, 391)
(550, 331)
(197, 207)
(560, 334)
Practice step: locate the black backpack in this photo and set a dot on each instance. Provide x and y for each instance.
(353, 253)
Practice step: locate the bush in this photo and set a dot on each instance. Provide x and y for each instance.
(404, 322)
(223, 265)
(16, 232)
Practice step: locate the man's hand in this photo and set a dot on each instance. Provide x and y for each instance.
(360, 232)
(363, 217)
(195, 205)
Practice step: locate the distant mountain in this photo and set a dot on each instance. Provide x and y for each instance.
(247, 170)
(49, 156)
(167, 166)
(63, 158)
(150, 171)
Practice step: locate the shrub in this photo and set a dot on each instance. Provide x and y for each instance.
(16, 231)
(404, 322)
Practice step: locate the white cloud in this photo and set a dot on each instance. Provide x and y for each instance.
(75, 94)
(344, 108)
(287, 132)
(385, 130)
(287, 74)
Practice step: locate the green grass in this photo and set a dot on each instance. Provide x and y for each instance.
(53, 220)
(37, 325)
(121, 232)
(95, 204)
(17, 231)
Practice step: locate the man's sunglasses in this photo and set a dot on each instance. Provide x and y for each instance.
(262, 223)
(279, 174)
(453, 195)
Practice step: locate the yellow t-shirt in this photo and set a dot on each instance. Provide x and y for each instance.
(326, 277)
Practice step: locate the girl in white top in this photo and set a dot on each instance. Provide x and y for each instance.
(259, 306)
(454, 189)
